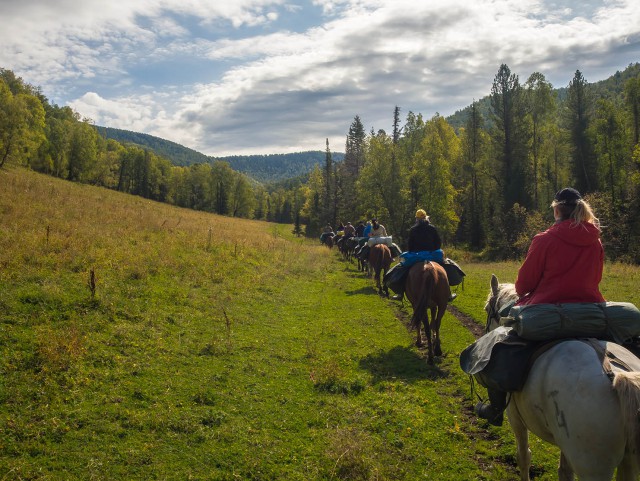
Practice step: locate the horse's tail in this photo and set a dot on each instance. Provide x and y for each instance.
(627, 387)
(426, 293)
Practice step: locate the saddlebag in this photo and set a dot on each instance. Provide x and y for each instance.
(454, 273)
(396, 277)
(500, 360)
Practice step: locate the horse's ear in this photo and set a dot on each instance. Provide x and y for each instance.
(494, 284)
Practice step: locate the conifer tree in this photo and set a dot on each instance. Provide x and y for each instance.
(578, 118)
(349, 170)
(354, 148)
(632, 100)
(328, 201)
(610, 147)
(410, 145)
(473, 155)
(509, 136)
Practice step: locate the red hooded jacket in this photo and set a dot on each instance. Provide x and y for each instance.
(564, 264)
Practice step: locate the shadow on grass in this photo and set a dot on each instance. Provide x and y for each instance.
(356, 274)
(401, 363)
(363, 290)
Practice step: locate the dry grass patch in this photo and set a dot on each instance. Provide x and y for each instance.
(58, 349)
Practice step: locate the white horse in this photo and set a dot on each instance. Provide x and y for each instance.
(570, 401)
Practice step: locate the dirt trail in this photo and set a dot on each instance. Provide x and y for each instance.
(467, 321)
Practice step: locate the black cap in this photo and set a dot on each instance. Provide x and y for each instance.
(568, 196)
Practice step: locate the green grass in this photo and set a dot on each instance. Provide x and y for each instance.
(221, 349)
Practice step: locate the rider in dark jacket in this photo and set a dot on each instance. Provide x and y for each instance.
(423, 236)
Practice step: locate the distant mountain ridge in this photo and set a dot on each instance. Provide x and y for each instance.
(263, 168)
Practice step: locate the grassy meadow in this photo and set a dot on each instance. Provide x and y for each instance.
(140, 341)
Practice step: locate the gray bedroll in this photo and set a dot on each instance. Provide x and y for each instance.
(617, 321)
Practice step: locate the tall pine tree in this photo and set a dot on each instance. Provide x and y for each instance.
(578, 118)
(509, 136)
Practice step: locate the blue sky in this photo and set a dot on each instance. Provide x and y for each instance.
(275, 76)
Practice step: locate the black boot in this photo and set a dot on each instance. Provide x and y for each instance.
(398, 297)
(493, 412)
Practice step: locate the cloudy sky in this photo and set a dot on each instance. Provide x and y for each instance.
(228, 77)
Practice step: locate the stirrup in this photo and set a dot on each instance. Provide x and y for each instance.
(486, 411)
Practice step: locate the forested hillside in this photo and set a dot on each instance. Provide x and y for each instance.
(278, 167)
(56, 141)
(262, 168)
(486, 176)
(176, 153)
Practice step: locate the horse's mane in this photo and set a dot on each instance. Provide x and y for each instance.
(506, 294)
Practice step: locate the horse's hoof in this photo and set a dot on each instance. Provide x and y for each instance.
(438, 352)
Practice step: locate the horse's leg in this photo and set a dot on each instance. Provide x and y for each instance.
(418, 323)
(427, 334)
(522, 440)
(627, 470)
(565, 471)
(436, 315)
(385, 289)
(378, 283)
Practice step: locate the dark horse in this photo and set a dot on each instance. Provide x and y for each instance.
(328, 241)
(427, 288)
(380, 260)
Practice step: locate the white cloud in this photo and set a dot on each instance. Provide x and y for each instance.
(242, 76)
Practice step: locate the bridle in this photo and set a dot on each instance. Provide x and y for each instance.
(492, 313)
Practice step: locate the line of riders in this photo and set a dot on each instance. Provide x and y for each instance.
(563, 269)
(352, 241)
(423, 244)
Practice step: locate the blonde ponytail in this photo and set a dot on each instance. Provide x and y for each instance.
(579, 212)
(584, 213)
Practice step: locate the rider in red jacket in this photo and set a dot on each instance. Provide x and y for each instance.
(564, 264)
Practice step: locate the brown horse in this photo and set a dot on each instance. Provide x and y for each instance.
(427, 288)
(380, 260)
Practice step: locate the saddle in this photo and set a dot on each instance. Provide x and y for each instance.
(396, 277)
